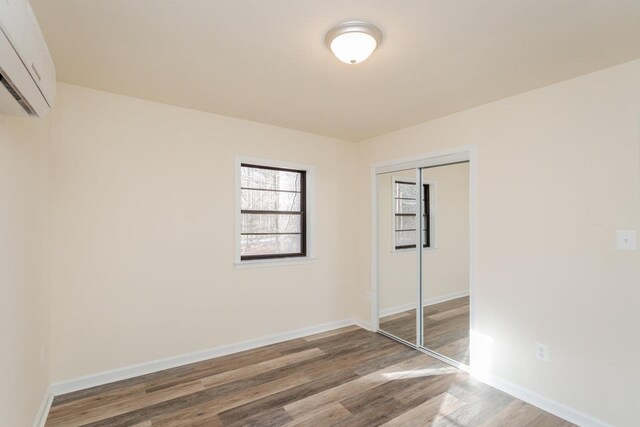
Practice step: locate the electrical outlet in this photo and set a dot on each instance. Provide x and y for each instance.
(542, 352)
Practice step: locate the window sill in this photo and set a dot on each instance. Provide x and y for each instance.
(410, 250)
(257, 263)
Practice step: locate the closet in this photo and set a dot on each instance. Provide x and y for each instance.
(423, 254)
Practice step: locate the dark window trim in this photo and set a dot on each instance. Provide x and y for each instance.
(269, 189)
(259, 212)
(292, 233)
(302, 212)
(426, 214)
(273, 168)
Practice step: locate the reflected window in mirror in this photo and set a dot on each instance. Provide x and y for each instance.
(405, 206)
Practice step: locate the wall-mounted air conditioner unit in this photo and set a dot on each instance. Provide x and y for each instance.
(27, 74)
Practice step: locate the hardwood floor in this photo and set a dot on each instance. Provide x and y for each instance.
(347, 377)
(446, 328)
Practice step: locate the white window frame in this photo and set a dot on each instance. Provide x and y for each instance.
(433, 191)
(310, 213)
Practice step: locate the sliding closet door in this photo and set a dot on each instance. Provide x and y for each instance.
(397, 224)
(445, 260)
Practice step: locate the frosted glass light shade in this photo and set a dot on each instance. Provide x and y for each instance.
(353, 48)
(353, 42)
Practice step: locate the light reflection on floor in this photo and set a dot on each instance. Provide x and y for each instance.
(428, 372)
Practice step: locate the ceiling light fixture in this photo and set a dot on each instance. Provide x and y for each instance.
(353, 41)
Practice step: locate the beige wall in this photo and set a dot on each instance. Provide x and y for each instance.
(143, 242)
(446, 267)
(558, 173)
(143, 233)
(24, 268)
(446, 263)
(397, 271)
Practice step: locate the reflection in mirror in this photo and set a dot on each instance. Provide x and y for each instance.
(445, 273)
(397, 208)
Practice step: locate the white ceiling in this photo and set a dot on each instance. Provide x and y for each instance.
(266, 61)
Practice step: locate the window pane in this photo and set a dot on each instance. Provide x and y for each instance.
(270, 244)
(406, 191)
(407, 238)
(406, 206)
(270, 179)
(269, 200)
(262, 223)
(404, 238)
(406, 223)
(269, 234)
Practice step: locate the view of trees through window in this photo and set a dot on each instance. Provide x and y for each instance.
(273, 217)
(406, 219)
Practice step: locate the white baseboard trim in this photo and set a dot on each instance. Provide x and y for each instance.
(556, 408)
(445, 298)
(45, 406)
(127, 372)
(397, 309)
(363, 324)
(431, 301)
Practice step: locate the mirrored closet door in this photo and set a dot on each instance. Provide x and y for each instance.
(445, 262)
(397, 220)
(423, 294)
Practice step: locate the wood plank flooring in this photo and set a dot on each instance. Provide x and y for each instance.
(348, 377)
(446, 328)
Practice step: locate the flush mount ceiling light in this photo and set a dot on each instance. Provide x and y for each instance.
(353, 41)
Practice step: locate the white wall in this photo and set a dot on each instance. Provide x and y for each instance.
(558, 173)
(143, 233)
(24, 268)
(446, 263)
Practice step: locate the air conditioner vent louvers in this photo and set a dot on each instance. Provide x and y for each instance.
(16, 95)
(27, 72)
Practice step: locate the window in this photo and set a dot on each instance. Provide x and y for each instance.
(406, 219)
(273, 212)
